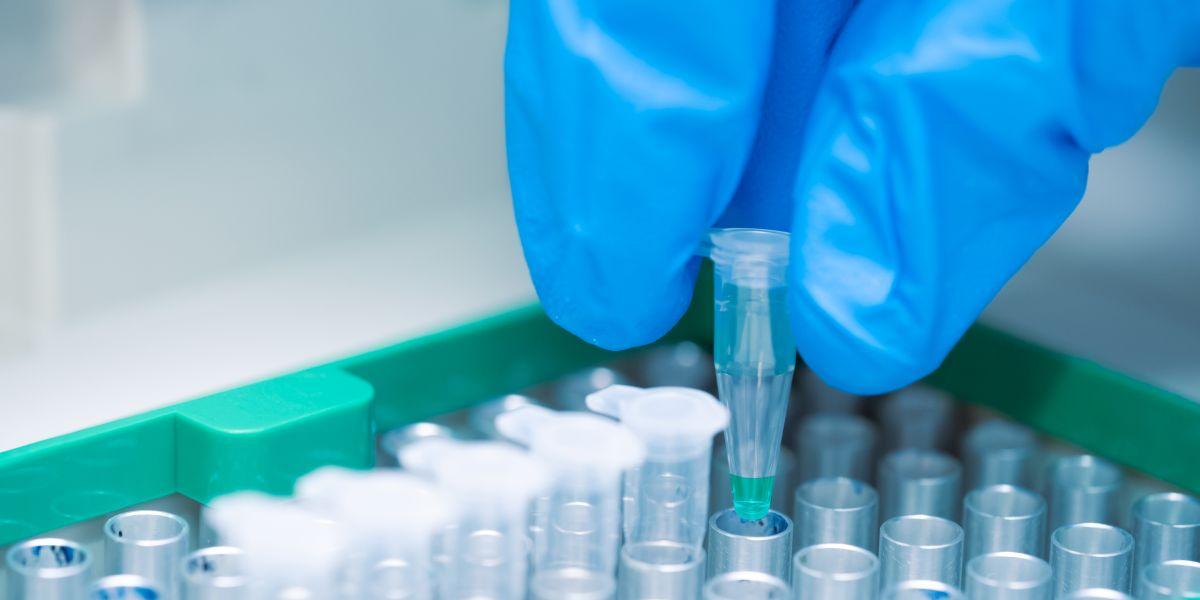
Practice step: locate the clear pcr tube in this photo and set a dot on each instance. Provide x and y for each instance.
(920, 482)
(1083, 489)
(124, 587)
(482, 417)
(215, 573)
(754, 354)
(366, 504)
(917, 416)
(920, 547)
(746, 585)
(1004, 518)
(1170, 579)
(289, 551)
(392, 443)
(684, 364)
(493, 483)
(1008, 576)
(1090, 555)
(835, 572)
(667, 496)
(837, 510)
(149, 543)
(570, 392)
(921, 589)
(1166, 526)
(835, 445)
(666, 499)
(48, 569)
(998, 452)
(587, 455)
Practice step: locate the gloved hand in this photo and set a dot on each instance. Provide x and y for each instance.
(948, 139)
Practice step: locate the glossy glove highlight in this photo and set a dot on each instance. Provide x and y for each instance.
(947, 143)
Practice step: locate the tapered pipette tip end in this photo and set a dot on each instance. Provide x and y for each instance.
(752, 496)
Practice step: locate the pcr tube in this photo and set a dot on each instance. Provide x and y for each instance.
(482, 418)
(818, 397)
(919, 482)
(215, 573)
(1170, 579)
(1008, 576)
(365, 505)
(1083, 489)
(149, 543)
(754, 355)
(835, 445)
(666, 497)
(1097, 594)
(394, 441)
(920, 547)
(1090, 555)
(735, 544)
(48, 569)
(684, 364)
(570, 392)
(919, 589)
(289, 551)
(493, 483)
(587, 455)
(124, 587)
(835, 572)
(1165, 527)
(917, 417)
(1004, 518)
(998, 452)
(836, 510)
(746, 585)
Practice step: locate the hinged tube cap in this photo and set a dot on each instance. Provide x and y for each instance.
(574, 441)
(675, 423)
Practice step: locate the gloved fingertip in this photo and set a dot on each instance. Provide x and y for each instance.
(863, 356)
(632, 315)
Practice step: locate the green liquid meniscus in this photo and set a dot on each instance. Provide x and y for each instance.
(752, 496)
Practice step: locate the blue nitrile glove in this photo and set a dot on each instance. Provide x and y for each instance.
(947, 141)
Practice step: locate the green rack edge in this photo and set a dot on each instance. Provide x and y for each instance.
(265, 435)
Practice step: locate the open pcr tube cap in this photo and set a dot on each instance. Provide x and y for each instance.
(573, 440)
(675, 423)
(286, 546)
(495, 471)
(366, 502)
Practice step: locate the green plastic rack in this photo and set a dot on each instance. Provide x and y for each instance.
(265, 435)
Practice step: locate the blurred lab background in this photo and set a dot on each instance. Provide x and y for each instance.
(195, 195)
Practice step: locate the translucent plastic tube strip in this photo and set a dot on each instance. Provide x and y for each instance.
(148, 543)
(835, 572)
(836, 510)
(835, 445)
(1004, 518)
(998, 452)
(48, 569)
(1083, 489)
(764, 545)
(920, 547)
(920, 482)
(1091, 555)
(1165, 527)
(1008, 576)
